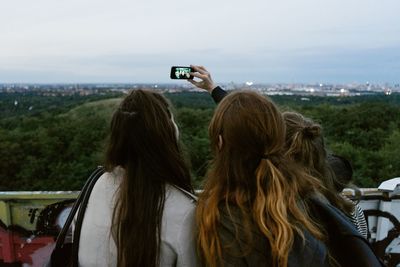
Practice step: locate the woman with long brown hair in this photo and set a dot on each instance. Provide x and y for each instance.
(305, 144)
(253, 210)
(141, 211)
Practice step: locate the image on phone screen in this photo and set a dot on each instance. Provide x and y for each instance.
(180, 73)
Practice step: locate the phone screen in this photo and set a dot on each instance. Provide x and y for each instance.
(180, 73)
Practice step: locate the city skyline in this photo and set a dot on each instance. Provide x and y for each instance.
(262, 41)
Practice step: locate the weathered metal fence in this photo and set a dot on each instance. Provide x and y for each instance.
(30, 222)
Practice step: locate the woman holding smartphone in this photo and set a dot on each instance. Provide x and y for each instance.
(346, 247)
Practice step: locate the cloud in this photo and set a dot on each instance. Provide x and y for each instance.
(111, 40)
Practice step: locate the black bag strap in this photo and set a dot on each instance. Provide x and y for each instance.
(82, 199)
(81, 214)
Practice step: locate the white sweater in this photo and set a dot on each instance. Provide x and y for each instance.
(97, 246)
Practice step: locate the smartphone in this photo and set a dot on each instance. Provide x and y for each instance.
(181, 73)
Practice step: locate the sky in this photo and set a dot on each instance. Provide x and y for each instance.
(83, 41)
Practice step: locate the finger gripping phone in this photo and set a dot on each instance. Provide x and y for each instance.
(181, 73)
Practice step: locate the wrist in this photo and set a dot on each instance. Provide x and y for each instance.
(211, 88)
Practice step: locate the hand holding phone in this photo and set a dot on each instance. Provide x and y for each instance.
(181, 73)
(204, 78)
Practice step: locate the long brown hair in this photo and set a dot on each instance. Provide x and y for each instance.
(305, 144)
(249, 171)
(143, 142)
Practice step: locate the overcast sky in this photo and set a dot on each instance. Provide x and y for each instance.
(237, 40)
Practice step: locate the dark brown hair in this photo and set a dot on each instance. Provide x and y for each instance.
(305, 145)
(249, 171)
(342, 169)
(143, 142)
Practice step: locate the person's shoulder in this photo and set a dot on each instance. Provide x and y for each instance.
(178, 216)
(178, 206)
(179, 197)
(109, 180)
(308, 251)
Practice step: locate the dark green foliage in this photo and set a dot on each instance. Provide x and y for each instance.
(196, 100)
(50, 150)
(56, 144)
(55, 154)
(193, 124)
(366, 132)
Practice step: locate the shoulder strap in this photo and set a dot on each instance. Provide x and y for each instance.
(81, 213)
(188, 194)
(63, 233)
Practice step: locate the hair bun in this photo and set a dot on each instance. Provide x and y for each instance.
(312, 131)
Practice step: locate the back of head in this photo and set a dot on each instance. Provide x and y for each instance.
(249, 171)
(143, 141)
(141, 129)
(250, 126)
(305, 145)
(342, 169)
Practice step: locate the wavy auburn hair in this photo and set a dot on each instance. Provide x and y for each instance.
(249, 171)
(305, 144)
(143, 141)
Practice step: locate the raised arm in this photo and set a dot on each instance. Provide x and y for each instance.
(206, 82)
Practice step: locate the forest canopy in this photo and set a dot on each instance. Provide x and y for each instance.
(53, 143)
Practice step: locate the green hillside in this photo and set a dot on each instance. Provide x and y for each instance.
(103, 108)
